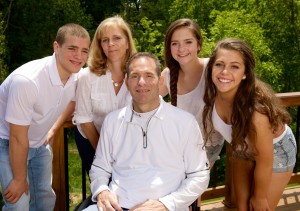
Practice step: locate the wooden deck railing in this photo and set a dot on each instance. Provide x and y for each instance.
(60, 163)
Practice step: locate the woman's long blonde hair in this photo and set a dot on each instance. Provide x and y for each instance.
(97, 60)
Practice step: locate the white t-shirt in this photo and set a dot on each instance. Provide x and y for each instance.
(34, 95)
(95, 98)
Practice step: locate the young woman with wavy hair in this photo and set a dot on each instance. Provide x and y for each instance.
(250, 117)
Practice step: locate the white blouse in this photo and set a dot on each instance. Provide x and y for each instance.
(95, 98)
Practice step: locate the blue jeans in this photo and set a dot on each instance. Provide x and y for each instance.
(39, 175)
(285, 153)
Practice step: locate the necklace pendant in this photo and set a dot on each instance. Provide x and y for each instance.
(115, 84)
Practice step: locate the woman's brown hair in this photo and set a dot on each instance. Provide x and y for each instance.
(252, 95)
(170, 62)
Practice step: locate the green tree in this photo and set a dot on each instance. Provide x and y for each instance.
(281, 22)
(181, 9)
(3, 67)
(270, 27)
(150, 40)
(147, 19)
(240, 24)
(100, 10)
(33, 25)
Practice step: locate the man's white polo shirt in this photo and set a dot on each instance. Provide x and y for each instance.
(34, 95)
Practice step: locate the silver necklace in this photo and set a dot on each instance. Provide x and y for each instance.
(116, 84)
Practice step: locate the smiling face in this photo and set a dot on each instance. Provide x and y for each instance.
(184, 46)
(114, 44)
(143, 84)
(71, 55)
(228, 71)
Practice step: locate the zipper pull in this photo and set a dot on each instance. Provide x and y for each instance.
(144, 140)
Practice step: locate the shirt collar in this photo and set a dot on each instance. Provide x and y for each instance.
(159, 114)
(54, 75)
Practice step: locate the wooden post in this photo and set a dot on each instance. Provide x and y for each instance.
(59, 163)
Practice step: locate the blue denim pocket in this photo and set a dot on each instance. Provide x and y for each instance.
(285, 152)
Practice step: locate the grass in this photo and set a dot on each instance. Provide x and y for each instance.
(75, 184)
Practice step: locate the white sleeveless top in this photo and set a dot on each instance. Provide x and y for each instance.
(226, 130)
(221, 126)
(193, 102)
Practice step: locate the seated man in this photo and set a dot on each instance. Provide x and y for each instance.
(152, 151)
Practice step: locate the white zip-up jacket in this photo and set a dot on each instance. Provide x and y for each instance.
(172, 168)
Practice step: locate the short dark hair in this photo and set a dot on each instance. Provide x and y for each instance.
(72, 29)
(144, 54)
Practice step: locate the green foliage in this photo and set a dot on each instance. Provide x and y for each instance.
(97, 11)
(150, 38)
(281, 22)
(181, 9)
(3, 67)
(32, 30)
(272, 28)
(240, 24)
(217, 174)
(147, 19)
(75, 180)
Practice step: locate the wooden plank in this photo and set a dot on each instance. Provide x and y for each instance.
(290, 201)
(58, 171)
(295, 178)
(58, 168)
(290, 98)
(212, 193)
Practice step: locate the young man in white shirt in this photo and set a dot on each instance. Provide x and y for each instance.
(31, 99)
(152, 151)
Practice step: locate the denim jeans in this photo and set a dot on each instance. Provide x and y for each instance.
(285, 153)
(39, 175)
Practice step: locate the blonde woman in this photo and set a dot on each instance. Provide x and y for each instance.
(101, 88)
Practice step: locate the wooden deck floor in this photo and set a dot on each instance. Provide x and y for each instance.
(290, 201)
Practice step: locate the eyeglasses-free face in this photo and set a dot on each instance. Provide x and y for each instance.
(143, 84)
(114, 44)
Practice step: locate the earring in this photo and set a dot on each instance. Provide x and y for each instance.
(244, 77)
